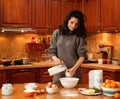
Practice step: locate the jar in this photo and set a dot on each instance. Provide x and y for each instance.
(7, 89)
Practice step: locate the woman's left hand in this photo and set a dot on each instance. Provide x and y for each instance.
(71, 71)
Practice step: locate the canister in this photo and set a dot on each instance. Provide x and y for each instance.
(7, 89)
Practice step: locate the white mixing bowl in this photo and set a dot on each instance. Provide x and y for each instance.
(69, 82)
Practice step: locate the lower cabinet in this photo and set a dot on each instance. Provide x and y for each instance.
(44, 75)
(22, 75)
(25, 75)
(2, 78)
(106, 75)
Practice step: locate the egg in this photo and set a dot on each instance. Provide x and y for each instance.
(54, 86)
(42, 91)
(49, 85)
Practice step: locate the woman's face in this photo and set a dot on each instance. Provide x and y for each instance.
(72, 23)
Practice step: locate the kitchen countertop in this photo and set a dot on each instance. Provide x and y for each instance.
(49, 63)
(66, 93)
(30, 65)
(107, 67)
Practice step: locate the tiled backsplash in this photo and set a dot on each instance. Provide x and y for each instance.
(12, 45)
(95, 39)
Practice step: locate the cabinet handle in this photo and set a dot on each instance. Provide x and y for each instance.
(45, 73)
(50, 26)
(23, 70)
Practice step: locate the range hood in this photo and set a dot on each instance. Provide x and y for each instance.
(14, 29)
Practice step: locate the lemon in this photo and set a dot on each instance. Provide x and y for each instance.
(90, 91)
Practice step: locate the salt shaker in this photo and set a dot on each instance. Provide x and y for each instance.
(7, 89)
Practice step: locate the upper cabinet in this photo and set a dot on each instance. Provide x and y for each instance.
(109, 15)
(42, 15)
(92, 13)
(16, 13)
(46, 15)
(102, 15)
(49, 14)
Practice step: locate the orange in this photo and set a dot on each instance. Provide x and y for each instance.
(117, 95)
(118, 84)
(108, 85)
(113, 85)
(107, 81)
(103, 84)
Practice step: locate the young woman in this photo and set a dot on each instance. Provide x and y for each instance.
(68, 45)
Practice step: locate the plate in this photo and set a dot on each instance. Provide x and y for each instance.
(84, 92)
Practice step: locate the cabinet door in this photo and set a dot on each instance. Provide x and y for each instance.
(66, 8)
(109, 15)
(47, 15)
(85, 75)
(16, 13)
(44, 76)
(2, 77)
(78, 4)
(55, 14)
(23, 75)
(40, 21)
(92, 13)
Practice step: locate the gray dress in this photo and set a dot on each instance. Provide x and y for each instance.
(68, 48)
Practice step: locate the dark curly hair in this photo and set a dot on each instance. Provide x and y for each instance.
(80, 31)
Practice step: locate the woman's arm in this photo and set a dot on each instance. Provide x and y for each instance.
(57, 60)
(76, 66)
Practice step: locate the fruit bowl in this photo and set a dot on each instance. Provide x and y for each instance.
(110, 91)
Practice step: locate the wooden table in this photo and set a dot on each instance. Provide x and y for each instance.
(61, 94)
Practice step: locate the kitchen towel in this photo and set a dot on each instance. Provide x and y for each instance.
(95, 78)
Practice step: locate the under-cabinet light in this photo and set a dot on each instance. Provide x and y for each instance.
(4, 29)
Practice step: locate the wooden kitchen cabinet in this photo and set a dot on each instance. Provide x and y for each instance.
(16, 13)
(109, 15)
(49, 14)
(92, 13)
(2, 78)
(44, 75)
(102, 15)
(22, 75)
(25, 75)
(106, 75)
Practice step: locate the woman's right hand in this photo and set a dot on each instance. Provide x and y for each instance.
(57, 60)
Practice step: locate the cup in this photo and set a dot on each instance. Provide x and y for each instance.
(90, 56)
(100, 61)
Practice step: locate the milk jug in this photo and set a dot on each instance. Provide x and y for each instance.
(95, 78)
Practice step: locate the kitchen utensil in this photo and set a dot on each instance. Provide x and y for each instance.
(56, 69)
(69, 82)
(6, 62)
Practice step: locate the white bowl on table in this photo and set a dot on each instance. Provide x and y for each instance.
(51, 90)
(69, 82)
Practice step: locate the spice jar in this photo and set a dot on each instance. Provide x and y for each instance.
(7, 89)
